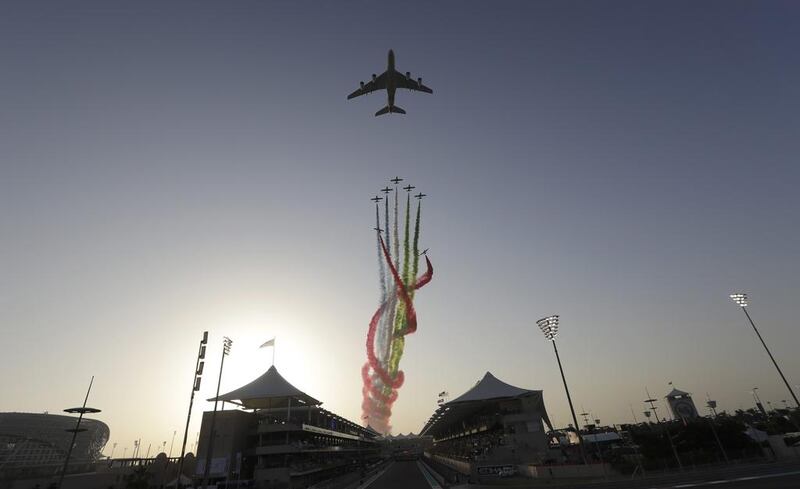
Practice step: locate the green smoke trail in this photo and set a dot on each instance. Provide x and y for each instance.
(415, 268)
(406, 250)
(396, 233)
(386, 221)
(400, 325)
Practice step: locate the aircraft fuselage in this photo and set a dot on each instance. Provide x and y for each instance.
(390, 83)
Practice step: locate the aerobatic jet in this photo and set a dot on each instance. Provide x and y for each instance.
(390, 80)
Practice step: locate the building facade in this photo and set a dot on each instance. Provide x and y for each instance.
(33, 444)
(492, 427)
(280, 437)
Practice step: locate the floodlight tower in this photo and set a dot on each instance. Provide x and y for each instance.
(740, 298)
(549, 327)
(198, 373)
(226, 350)
(77, 429)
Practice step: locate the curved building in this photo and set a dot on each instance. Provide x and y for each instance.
(32, 440)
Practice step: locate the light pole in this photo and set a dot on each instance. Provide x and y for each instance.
(81, 411)
(549, 326)
(757, 400)
(740, 298)
(198, 372)
(652, 402)
(226, 350)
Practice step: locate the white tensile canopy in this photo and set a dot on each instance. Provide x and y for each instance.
(490, 387)
(488, 390)
(270, 390)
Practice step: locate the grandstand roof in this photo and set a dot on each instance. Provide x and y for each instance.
(490, 387)
(269, 390)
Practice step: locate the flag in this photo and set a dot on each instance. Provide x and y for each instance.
(268, 343)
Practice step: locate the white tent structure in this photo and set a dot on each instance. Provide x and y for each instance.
(270, 390)
(493, 410)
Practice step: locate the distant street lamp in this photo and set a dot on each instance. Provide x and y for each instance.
(226, 350)
(712, 406)
(652, 402)
(757, 400)
(81, 411)
(740, 298)
(549, 326)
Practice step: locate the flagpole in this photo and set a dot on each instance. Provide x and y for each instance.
(272, 344)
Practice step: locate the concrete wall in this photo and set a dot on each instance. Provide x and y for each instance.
(564, 471)
(460, 466)
(232, 429)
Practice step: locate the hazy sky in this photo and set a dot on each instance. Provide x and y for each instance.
(174, 167)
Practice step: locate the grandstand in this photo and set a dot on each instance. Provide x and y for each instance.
(491, 428)
(281, 437)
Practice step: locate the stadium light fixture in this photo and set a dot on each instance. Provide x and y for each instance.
(198, 377)
(549, 327)
(226, 350)
(740, 298)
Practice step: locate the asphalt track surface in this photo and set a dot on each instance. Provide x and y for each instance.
(766, 476)
(401, 475)
(408, 475)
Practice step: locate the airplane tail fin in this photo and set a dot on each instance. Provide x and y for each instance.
(393, 109)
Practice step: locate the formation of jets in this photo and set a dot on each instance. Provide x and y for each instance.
(386, 190)
(390, 80)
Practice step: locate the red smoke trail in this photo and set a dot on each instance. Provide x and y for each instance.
(376, 403)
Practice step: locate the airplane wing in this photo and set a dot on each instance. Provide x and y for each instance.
(378, 83)
(403, 81)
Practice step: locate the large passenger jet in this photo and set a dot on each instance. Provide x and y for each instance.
(390, 81)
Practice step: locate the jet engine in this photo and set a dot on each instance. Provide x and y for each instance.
(408, 75)
(362, 84)
(419, 80)
(374, 77)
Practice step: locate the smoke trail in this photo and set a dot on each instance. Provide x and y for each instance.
(396, 233)
(415, 268)
(392, 308)
(381, 266)
(379, 400)
(383, 336)
(406, 250)
(395, 317)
